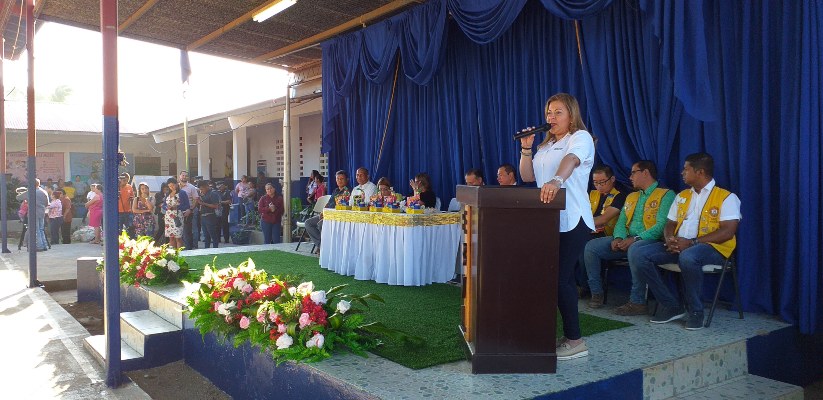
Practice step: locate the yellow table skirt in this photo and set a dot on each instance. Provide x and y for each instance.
(379, 218)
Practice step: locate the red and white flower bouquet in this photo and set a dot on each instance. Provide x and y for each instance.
(292, 322)
(143, 263)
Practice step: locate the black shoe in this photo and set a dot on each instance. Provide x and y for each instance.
(454, 281)
(665, 314)
(695, 321)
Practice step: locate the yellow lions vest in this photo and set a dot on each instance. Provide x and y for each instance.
(709, 217)
(649, 209)
(594, 199)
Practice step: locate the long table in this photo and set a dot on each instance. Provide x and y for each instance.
(397, 249)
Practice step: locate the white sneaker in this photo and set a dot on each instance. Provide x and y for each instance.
(566, 352)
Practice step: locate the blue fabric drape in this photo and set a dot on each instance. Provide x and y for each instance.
(658, 80)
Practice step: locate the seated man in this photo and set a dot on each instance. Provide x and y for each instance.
(506, 176)
(700, 230)
(474, 177)
(365, 187)
(314, 225)
(606, 201)
(640, 224)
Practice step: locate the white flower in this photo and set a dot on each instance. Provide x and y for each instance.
(223, 309)
(173, 267)
(343, 306)
(316, 341)
(305, 288)
(292, 290)
(284, 341)
(239, 283)
(150, 275)
(319, 297)
(162, 262)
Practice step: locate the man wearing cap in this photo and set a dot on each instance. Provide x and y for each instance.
(124, 200)
(209, 202)
(188, 215)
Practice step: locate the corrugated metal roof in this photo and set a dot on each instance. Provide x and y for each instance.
(59, 117)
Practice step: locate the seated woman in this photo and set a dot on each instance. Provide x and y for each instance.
(421, 184)
(385, 189)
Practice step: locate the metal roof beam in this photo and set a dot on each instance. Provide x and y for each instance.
(137, 14)
(231, 25)
(358, 22)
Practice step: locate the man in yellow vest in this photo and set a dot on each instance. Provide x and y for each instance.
(640, 224)
(700, 230)
(606, 200)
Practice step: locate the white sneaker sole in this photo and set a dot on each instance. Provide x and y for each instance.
(583, 353)
(679, 316)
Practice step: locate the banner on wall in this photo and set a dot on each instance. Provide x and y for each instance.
(49, 165)
(90, 166)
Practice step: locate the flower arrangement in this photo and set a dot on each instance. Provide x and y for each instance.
(292, 322)
(143, 263)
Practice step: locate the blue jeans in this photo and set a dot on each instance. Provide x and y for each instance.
(124, 221)
(209, 223)
(54, 230)
(691, 262)
(41, 232)
(271, 232)
(598, 250)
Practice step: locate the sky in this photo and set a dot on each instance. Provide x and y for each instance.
(150, 92)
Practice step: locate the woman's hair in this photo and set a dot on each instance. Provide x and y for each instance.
(425, 181)
(315, 173)
(575, 118)
(140, 185)
(320, 178)
(383, 182)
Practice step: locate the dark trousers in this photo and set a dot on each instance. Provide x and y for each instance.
(223, 226)
(209, 223)
(188, 240)
(54, 230)
(65, 229)
(570, 249)
(271, 232)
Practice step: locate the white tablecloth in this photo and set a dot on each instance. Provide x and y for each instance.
(398, 249)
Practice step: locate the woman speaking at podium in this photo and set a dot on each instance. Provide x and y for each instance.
(564, 160)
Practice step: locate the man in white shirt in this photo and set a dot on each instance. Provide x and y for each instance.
(506, 176)
(364, 187)
(188, 228)
(700, 230)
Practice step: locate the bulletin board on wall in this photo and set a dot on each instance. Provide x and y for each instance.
(90, 165)
(48, 165)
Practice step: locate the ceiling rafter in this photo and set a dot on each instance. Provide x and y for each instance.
(354, 23)
(231, 25)
(137, 14)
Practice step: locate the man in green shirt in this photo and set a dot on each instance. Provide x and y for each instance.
(640, 223)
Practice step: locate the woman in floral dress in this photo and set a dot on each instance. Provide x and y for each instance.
(142, 208)
(173, 217)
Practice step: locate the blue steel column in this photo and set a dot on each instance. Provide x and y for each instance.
(111, 144)
(32, 146)
(4, 204)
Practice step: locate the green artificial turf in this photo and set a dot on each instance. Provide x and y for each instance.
(430, 312)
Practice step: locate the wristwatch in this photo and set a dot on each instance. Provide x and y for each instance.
(637, 238)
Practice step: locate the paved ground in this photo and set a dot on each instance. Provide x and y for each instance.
(41, 344)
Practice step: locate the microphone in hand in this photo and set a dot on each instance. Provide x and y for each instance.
(531, 131)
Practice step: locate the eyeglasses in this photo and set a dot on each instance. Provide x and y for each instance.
(601, 183)
(636, 171)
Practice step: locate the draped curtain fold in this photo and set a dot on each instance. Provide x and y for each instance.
(656, 80)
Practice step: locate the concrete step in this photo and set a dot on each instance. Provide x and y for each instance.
(746, 387)
(96, 346)
(169, 303)
(687, 374)
(136, 326)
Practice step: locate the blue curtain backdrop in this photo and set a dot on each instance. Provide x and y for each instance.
(656, 80)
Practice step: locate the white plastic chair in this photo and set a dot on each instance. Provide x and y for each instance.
(454, 205)
(318, 208)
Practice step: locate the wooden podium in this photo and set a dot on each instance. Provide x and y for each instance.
(510, 285)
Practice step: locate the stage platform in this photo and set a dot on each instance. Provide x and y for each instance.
(644, 360)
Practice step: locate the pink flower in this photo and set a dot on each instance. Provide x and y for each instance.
(281, 328)
(316, 341)
(273, 316)
(305, 320)
(261, 317)
(244, 322)
(217, 306)
(247, 289)
(150, 275)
